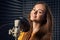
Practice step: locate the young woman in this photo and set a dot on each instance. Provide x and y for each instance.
(40, 20)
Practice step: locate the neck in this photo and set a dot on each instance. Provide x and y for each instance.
(36, 27)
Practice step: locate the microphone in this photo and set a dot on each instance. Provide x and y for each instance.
(15, 30)
(20, 24)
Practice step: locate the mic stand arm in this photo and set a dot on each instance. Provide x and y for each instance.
(15, 32)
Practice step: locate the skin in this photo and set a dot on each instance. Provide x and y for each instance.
(36, 15)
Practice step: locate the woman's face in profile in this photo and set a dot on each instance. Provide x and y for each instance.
(37, 12)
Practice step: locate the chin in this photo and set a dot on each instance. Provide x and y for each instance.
(34, 19)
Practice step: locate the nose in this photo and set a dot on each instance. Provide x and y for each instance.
(35, 12)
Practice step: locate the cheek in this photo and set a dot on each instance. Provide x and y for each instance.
(31, 16)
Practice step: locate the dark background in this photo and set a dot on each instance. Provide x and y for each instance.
(12, 9)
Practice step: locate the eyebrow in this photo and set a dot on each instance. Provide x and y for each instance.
(41, 10)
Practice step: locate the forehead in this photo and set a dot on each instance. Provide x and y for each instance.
(39, 6)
